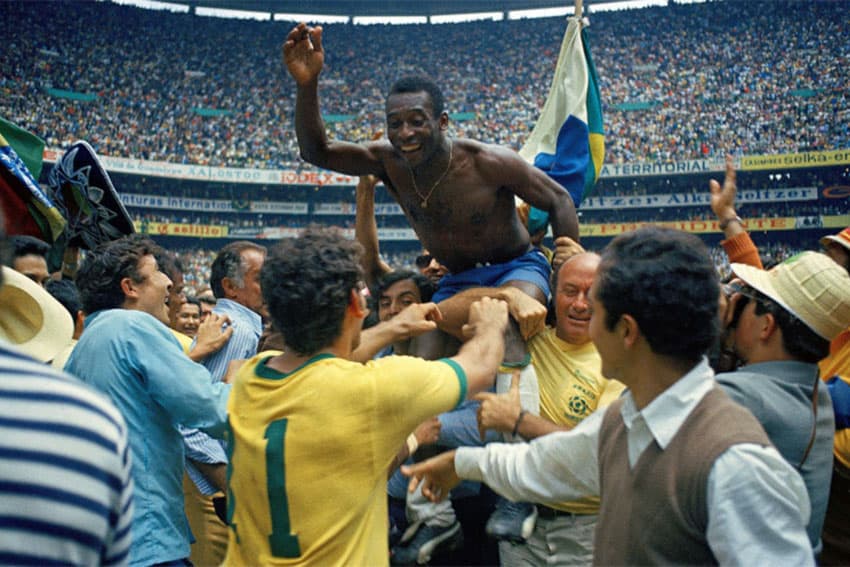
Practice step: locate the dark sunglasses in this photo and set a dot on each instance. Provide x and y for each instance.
(423, 261)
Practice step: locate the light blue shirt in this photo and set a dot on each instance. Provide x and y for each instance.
(758, 506)
(247, 328)
(138, 363)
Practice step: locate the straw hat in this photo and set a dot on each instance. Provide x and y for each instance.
(31, 319)
(842, 238)
(809, 285)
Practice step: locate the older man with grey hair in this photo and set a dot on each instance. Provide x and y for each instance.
(235, 281)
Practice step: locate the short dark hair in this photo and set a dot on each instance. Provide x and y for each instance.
(798, 339)
(307, 283)
(23, 245)
(101, 272)
(194, 301)
(418, 84)
(665, 279)
(169, 264)
(66, 293)
(228, 264)
(425, 285)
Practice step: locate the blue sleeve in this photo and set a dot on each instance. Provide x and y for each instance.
(201, 447)
(840, 392)
(182, 387)
(459, 427)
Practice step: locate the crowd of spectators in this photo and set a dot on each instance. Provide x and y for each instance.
(754, 78)
(802, 209)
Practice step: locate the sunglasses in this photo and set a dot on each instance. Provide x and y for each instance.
(423, 260)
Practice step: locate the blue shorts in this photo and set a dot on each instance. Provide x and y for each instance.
(531, 267)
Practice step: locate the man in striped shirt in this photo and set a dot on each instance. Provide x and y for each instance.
(65, 484)
(235, 280)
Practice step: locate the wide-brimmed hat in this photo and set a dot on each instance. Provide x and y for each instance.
(842, 238)
(31, 319)
(811, 286)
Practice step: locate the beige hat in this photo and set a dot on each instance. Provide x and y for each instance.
(842, 238)
(809, 285)
(31, 319)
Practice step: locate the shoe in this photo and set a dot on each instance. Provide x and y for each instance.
(420, 542)
(512, 521)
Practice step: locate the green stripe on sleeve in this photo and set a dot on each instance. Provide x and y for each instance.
(461, 377)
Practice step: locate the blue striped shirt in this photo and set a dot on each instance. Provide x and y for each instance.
(247, 328)
(65, 482)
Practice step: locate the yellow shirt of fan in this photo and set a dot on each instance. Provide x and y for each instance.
(310, 450)
(838, 364)
(571, 388)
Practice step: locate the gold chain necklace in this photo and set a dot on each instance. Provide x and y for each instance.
(424, 203)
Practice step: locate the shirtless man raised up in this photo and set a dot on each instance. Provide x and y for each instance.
(457, 194)
(459, 197)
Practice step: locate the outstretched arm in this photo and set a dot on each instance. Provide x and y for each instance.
(305, 58)
(554, 468)
(528, 312)
(366, 231)
(481, 355)
(412, 321)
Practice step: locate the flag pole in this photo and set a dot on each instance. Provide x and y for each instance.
(578, 6)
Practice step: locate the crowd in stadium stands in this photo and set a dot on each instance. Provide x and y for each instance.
(752, 78)
(655, 214)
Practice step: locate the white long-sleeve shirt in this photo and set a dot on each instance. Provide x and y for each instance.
(758, 506)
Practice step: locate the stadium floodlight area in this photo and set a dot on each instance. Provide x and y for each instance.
(475, 17)
(312, 18)
(154, 5)
(540, 13)
(233, 14)
(393, 20)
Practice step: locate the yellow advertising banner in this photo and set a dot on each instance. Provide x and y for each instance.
(793, 161)
(181, 229)
(693, 226)
(836, 221)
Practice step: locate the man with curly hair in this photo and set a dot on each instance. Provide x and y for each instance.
(312, 431)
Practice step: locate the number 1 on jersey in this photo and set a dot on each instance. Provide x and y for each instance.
(282, 541)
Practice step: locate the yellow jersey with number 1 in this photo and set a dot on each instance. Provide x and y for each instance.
(310, 450)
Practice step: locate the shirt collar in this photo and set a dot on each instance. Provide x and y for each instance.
(787, 371)
(665, 414)
(228, 306)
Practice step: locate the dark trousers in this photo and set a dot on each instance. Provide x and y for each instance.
(836, 527)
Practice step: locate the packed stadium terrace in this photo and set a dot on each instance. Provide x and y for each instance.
(677, 82)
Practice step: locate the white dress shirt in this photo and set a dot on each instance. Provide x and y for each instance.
(758, 506)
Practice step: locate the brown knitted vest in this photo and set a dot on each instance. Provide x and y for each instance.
(657, 512)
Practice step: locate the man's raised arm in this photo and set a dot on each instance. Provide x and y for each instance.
(305, 59)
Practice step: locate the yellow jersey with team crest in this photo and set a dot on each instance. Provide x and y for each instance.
(571, 388)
